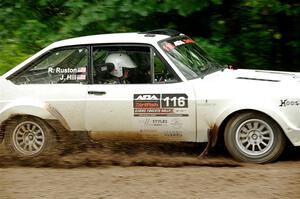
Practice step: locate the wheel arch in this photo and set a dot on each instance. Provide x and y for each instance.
(34, 109)
(224, 122)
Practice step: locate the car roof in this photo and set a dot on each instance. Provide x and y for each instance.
(142, 38)
(137, 38)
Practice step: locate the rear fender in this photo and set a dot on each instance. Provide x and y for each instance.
(30, 107)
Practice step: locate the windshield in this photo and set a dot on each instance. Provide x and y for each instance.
(190, 59)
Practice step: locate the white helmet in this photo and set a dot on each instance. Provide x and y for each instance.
(120, 61)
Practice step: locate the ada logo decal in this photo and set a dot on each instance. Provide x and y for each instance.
(146, 97)
(146, 101)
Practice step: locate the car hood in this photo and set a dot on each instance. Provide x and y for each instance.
(265, 75)
(244, 82)
(261, 75)
(255, 76)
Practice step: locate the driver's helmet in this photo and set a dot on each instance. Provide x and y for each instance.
(120, 61)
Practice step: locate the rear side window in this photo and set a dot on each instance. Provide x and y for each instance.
(58, 67)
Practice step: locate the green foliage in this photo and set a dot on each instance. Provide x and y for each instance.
(222, 54)
(11, 55)
(249, 33)
(260, 33)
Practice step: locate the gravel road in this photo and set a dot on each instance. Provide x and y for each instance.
(93, 175)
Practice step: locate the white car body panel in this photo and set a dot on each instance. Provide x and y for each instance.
(223, 93)
(210, 100)
(117, 113)
(47, 102)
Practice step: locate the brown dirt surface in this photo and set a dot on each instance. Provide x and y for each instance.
(126, 170)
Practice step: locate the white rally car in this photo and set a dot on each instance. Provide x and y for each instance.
(153, 86)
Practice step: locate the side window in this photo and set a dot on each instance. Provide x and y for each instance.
(121, 65)
(130, 65)
(59, 66)
(163, 73)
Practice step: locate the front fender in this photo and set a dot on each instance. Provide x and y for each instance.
(289, 129)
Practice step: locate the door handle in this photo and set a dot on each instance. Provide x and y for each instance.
(96, 92)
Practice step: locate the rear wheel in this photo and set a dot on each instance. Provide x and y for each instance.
(29, 137)
(254, 137)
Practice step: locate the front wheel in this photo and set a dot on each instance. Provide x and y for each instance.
(28, 137)
(254, 137)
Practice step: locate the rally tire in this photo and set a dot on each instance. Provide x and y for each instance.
(254, 138)
(29, 137)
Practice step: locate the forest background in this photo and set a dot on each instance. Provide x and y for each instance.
(262, 34)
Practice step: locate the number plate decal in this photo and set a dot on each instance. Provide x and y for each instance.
(160, 105)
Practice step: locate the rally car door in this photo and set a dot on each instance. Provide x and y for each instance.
(161, 107)
(156, 112)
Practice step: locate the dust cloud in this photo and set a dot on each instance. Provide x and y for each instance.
(123, 154)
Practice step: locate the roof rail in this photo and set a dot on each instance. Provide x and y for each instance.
(168, 32)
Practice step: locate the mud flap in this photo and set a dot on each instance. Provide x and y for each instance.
(212, 136)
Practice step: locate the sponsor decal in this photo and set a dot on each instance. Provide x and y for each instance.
(173, 133)
(178, 43)
(146, 101)
(184, 41)
(286, 102)
(156, 122)
(188, 41)
(160, 105)
(168, 46)
(153, 110)
(147, 97)
(176, 122)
